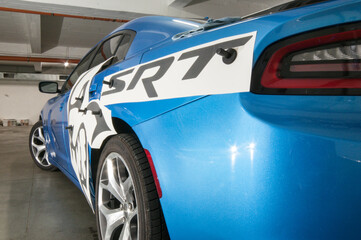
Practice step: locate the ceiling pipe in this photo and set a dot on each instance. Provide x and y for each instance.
(38, 59)
(62, 15)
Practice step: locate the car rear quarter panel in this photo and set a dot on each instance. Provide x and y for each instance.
(245, 166)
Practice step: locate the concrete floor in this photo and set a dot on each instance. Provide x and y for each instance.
(36, 204)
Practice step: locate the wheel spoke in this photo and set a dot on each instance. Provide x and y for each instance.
(45, 160)
(113, 217)
(126, 187)
(36, 132)
(132, 214)
(41, 135)
(39, 148)
(113, 187)
(40, 139)
(125, 234)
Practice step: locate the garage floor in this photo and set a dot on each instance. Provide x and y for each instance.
(35, 204)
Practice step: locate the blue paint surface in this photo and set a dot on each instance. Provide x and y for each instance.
(246, 166)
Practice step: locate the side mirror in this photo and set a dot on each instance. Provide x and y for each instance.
(48, 87)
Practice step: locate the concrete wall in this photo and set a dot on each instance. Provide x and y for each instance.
(21, 100)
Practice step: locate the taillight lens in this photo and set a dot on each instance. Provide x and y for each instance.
(327, 61)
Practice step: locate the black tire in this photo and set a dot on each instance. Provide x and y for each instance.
(150, 224)
(35, 139)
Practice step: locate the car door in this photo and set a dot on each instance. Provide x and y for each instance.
(53, 123)
(81, 115)
(58, 147)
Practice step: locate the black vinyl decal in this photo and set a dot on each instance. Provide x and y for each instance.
(206, 54)
(118, 84)
(163, 65)
(101, 125)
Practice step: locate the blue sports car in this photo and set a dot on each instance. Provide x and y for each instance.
(237, 128)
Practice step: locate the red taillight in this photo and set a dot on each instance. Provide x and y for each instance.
(152, 168)
(280, 68)
(325, 59)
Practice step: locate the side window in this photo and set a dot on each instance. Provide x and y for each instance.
(116, 46)
(123, 48)
(106, 50)
(82, 67)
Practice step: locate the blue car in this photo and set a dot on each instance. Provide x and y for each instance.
(237, 128)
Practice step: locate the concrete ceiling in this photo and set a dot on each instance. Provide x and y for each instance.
(51, 29)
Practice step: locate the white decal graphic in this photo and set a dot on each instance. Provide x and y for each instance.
(89, 126)
(201, 70)
(195, 71)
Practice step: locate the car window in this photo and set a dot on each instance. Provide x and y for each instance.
(82, 67)
(107, 50)
(116, 46)
(123, 48)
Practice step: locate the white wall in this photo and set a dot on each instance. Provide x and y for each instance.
(21, 100)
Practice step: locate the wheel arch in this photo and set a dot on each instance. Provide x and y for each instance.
(120, 126)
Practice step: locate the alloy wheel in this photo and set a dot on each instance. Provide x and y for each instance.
(117, 205)
(38, 147)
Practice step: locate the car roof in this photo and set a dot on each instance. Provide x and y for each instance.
(153, 30)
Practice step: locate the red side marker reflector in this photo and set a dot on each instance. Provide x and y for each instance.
(152, 168)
